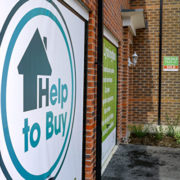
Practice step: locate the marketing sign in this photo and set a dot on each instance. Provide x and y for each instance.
(41, 81)
(109, 98)
(171, 63)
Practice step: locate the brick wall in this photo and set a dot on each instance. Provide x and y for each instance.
(113, 21)
(137, 86)
(171, 47)
(125, 79)
(90, 146)
(144, 94)
(112, 16)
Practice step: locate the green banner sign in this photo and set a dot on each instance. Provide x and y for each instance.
(171, 63)
(109, 89)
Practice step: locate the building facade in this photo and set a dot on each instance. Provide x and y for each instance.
(138, 86)
(117, 89)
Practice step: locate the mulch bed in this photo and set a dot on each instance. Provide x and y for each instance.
(151, 140)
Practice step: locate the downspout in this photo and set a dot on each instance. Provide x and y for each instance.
(160, 60)
(99, 91)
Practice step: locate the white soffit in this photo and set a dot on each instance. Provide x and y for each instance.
(79, 7)
(134, 18)
(110, 36)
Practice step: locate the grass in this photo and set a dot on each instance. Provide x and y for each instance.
(172, 125)
(141, 131)
(138, 130)
(177, 137)
(159, 133)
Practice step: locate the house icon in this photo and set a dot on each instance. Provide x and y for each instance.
(33, 63)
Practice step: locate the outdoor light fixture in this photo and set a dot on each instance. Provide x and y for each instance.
(134, 59)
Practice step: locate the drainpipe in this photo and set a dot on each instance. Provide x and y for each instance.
(160, 60)
(99, 91)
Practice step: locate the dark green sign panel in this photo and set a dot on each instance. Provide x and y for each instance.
(109, 89)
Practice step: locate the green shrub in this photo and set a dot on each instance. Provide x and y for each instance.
(177, 137)
(138, 130)
(172, 125)
(159, 133)
(171, 131)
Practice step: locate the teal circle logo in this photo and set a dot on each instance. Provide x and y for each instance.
(57, 165)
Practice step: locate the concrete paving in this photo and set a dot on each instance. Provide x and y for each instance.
(136, 162)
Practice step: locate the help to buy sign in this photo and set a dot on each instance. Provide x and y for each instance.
(41, 78)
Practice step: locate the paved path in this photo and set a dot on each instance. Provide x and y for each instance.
(136, 162)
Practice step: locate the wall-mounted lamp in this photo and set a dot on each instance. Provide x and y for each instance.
(134, 59)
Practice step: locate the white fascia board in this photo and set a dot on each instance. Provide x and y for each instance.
(133, 30)
(133, 27)
(134, 19)
(110, 36)
(127, 21)
(79, 8)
